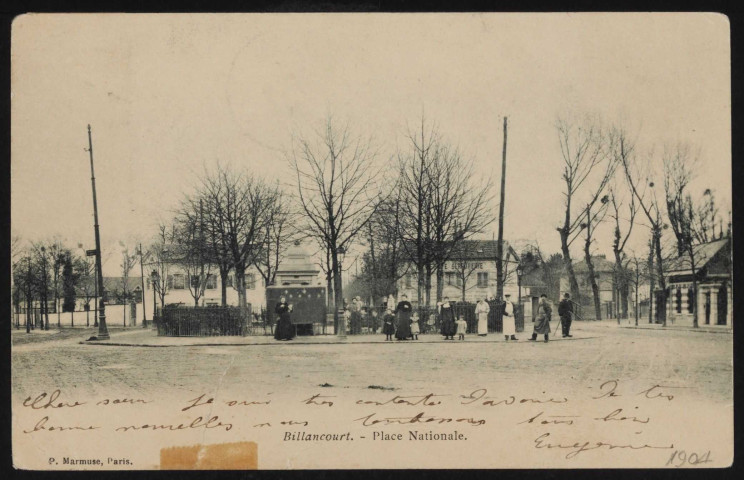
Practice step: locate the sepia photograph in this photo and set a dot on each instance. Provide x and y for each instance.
(340, 241)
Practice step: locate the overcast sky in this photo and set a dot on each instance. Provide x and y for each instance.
(170, 95)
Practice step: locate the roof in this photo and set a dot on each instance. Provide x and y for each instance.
(480, 250)
(600, 262)
(297, 260)
(703, 252)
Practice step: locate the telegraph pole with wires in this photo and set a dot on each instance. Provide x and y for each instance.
(500, 242)
(102, 330)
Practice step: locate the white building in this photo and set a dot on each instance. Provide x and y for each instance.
(178, 291)
(470, 272)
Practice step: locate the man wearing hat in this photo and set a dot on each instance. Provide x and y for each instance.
(565, 311)
(509, 325)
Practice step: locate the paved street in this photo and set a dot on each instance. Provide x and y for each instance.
(597, 352)
(694, 367)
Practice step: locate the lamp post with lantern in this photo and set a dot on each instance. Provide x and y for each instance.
(520, 272)
(155, 278)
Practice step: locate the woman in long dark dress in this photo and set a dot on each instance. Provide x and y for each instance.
(447, 316)
(403, 328)
(284, 329)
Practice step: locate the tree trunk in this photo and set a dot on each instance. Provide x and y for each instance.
(621, 286)
(660, 272)
(694, 289)
(636, 300)
(428, 285)
(338, 292)
(420, 284)
(651, 282)
(440, 281)
(592, 280)
(224, 272)
(240, 284)
(568, 263)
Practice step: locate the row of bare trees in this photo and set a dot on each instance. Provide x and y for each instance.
(48, 275)
(230, 221)
(606, 174)
(429, 203)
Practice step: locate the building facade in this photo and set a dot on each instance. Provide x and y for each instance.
(714, 294)
(469, 274)
(178, 291)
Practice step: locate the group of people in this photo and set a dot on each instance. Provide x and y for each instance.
(402, 322)
(544, 313)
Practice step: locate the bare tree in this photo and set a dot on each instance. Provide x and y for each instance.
(619, 241)
(706, 216)
(637, 274)
(279, 233)
(238, 207)
(679, 169)
(639, 182)
(25, 280)
(85, 272)
(458, 207)
(128, 261)
(193, 250)
(161, 252)
(337, 189)
(415, 216)
(587, 170)
(385, 261)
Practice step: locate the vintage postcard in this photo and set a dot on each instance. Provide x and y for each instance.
(371, 241)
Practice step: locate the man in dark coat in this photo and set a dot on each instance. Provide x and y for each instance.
(565, 311)
(542, 321)
(403, 310)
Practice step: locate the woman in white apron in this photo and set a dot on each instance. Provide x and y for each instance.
(481, 311)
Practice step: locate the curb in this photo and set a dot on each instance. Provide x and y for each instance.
(273, 344)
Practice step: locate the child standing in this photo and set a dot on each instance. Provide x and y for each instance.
(462, 327)
(388, 327)
(415, 326)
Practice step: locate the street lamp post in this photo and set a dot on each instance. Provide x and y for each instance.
(142, 278)
(341, 331)
(520, 272)
(154, 276)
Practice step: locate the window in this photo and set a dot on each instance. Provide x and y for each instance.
(409, 280)
(179, 281)
(211, 282)
(194, 281)
(482, 279)
(678, 301)
(453, 279)
(250, 281)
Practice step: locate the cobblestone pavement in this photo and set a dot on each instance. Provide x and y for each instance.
(702, 362)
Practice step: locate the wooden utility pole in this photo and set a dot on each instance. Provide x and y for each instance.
(500, 242)
(102, 330)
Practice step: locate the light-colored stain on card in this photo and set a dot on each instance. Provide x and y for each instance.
(222, 456)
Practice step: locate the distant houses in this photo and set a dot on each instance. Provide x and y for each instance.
(469, 273)
(605, 278)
